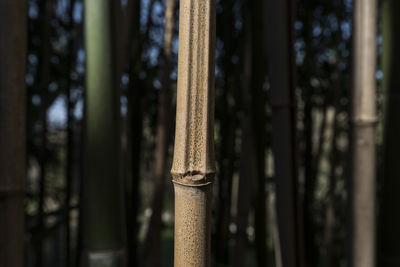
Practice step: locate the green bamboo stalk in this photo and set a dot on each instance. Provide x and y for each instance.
(13, 34)
(362, 189)
(193, 167)
(102, 216)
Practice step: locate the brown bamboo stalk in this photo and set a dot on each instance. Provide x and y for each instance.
(193, 167)
(12, 131)
(281, 70)
(363, 139)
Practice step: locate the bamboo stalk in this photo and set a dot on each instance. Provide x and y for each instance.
(12, 131)
(102, 216)
(388, 219)
(363, 139)
(46, 9)
(134, 131)
(70, 132)
(193, 167)
(284, 146)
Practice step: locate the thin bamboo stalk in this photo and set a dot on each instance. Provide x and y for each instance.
(70, 140)
(12, 131)
(362, 188)
(193, 167)
(46, 9)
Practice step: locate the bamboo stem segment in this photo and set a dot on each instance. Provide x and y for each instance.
(13, 32)
(284, 133)
(193, 167)
(363, 139)
(102, 216)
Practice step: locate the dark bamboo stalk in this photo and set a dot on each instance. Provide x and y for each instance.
(388, 219)
(362, 190)
(258, 114)
(281, 70)
(69, 135)
(226, 114)
(247, 169)
(13, 32)
(135, 123)
(193, 168)
(44, 79)
(330, 202)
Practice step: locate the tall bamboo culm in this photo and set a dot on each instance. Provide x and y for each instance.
(388, 220)
(193, 167)
(12, 130)
(284, 144)
(102, 209)
(362, 184)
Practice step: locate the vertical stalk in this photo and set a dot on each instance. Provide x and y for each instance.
(102, 234)
(226, 114)
(69, 136)
(284, 146)
(44, 79)
(258, 104)
(247, 169)
(193, 167)
(388, 219)
(363, 139)
(134, 130)
(12, 131)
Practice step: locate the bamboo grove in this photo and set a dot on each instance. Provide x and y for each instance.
(199, 133)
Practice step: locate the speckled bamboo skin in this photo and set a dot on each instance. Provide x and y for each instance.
(193, 167)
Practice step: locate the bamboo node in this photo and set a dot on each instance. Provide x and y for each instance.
(364, 121)
(193, 178)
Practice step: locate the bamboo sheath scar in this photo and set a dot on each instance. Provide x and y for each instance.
(193, 167)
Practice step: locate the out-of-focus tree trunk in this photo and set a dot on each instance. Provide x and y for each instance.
(258, 120)
(70, 132)
(330, 202)
(362, 188)
(13, 46)
(226, 114)
(247, 169)
(134, 134)
(152, 247)
(102, 213)
(388, 219)
(284, 144)
(45, 11)
(310, 248)
(193, 167)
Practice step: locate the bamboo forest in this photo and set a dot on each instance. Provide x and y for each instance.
(199, 133)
